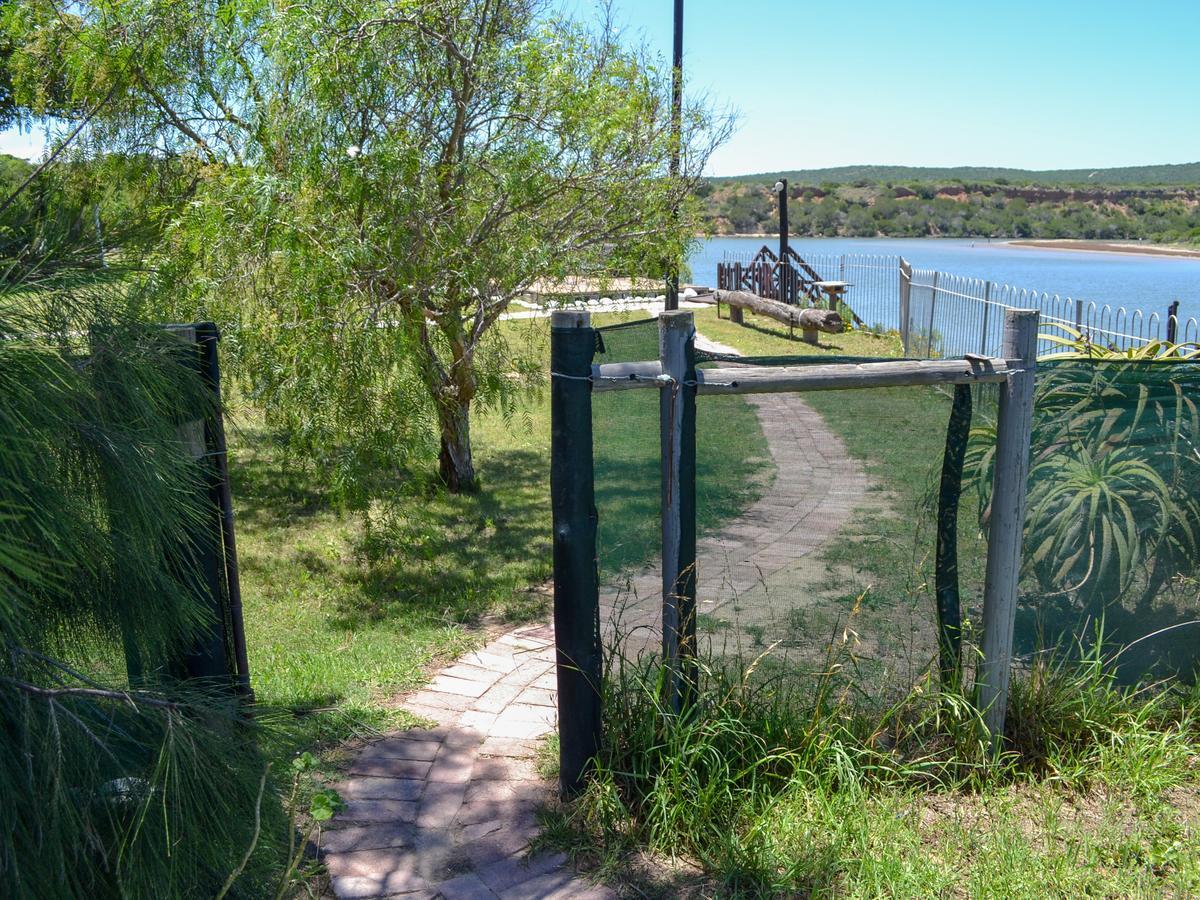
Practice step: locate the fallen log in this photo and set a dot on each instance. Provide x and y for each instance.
(811, 320)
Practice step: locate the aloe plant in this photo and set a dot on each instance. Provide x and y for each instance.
(1114, 486)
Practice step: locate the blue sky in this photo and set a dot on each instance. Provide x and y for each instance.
(1050, 84)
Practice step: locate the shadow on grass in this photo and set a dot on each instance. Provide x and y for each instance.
(1145, 644)
(269, 491)
(458, 556)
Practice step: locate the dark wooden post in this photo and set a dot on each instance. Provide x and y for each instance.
(209, 657)
(677, 354)
(1173, 322)
(576, 588)
(208, 337)
(949, 605)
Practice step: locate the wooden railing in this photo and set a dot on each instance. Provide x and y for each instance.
(767, 276)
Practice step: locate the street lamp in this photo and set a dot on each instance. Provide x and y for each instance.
(784, 265)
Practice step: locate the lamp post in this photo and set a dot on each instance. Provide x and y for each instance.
(784, 265)
(676, 138)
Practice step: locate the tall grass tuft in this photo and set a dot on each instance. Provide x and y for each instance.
(708, 786)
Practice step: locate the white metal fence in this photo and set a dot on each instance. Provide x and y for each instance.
(939, 314)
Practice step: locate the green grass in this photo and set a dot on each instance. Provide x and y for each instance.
(761, 336)
(770, 791)
(346, 612)
(732, 462)
(876, 574)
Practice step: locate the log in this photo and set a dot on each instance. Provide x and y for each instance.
(810, 320)
(840, 376)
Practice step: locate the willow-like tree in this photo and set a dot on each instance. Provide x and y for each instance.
(371, 184)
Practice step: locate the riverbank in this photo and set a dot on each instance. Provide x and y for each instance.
(1132, 249)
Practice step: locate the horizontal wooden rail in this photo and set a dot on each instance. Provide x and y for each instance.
(839, 376)
(833, 377)
(626, 375)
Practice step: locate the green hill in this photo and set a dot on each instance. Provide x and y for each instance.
(1181, 174)
(1151, 203)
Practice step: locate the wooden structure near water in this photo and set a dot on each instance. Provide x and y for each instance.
(786, 280)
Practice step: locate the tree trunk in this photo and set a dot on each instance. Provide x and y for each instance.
(455, 466)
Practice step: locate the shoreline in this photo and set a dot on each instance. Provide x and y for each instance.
(1074, 245)
(1118, 247)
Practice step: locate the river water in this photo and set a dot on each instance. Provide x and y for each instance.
(1148, 283)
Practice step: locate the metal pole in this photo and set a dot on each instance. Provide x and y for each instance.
(1014, 425)
(676, 138)
(932, 306)
(987, 305)
(1173, 322)
(784, 265)
(676, 344)
(576, 588)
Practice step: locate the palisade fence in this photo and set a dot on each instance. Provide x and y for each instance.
(939, 314)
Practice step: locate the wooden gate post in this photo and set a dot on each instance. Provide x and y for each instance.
(905, 301)
(1014, 425)
(212, 655)
(576, 584)
(677, 409)
(208, 336)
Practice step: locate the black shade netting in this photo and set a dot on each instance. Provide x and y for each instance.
(817, 521)
(1112, 528)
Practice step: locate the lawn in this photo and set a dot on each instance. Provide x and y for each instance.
(346, 612)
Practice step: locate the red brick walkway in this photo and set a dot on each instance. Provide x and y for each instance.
(450, 812)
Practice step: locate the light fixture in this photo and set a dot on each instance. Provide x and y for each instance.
(779, 187)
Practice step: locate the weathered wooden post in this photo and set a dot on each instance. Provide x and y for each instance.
(1014, 425)
(576, 586)
(905, 301)
(677, 410)
(208, 336)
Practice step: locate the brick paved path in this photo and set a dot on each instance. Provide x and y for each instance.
(450, 812)
(816, 488)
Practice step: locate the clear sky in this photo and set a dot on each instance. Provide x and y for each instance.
(1039, 84)
(1025, 83)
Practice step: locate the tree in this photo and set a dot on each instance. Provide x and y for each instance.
(378, 181)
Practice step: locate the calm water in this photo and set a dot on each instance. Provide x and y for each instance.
(1149, 283)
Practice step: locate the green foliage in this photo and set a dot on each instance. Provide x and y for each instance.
(81, 214)
(371, 191)
(114, 785)
(1183, 174)
(958, 208)
(1113, 516)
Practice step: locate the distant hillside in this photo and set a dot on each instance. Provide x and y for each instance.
(1181, 174)
(899, 201)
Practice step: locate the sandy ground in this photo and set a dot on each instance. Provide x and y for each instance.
(1133, 249)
